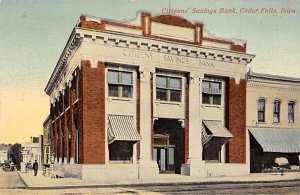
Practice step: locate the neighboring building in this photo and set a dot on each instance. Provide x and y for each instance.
(158, 94)
(273, 120)
(31, 151)
(46, 151)
(5, 153)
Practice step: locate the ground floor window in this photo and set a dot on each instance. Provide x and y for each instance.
(121, 151)
(212, 151)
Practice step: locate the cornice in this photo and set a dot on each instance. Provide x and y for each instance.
(165, 46)
(277, 88)
(254, 75)
(73, 42)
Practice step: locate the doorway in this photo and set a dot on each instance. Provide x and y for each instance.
(168, 145)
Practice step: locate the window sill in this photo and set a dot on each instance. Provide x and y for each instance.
(261, 123)
(120, 162)
(212, 162)
(167, 102)
(119, 99)
(276, 123)
(212, 106)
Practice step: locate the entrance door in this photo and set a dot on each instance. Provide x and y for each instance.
(164, 156)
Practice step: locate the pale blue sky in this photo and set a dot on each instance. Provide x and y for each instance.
(34, 32)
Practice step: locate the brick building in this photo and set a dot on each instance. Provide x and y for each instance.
(273, 121)
(46, 150)
(158, 94)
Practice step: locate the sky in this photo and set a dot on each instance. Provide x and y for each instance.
(34, 32)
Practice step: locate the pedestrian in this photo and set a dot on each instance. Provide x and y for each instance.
(35, 167)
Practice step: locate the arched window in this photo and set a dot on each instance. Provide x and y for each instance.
(261, 110)
(291, 109)
(276, 111)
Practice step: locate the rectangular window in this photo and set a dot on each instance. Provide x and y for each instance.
(121, 151)
(168, 88)
(120, 84)
(276, 112)
(291, 110)
(261, 110)
(211, 91)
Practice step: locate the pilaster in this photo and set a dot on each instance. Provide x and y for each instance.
(194, 166)
(147, 167)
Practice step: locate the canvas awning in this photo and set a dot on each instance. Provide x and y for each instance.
(277, 140)
(121, 128)
(215, 130)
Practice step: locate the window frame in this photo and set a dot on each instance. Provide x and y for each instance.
(261, 111)
(120, 85)
(212, 95)
(291, 114)
(276, 111)
(168, 89)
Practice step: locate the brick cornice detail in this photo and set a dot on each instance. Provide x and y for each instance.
(173, 20)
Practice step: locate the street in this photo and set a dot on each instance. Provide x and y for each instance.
(10, 180)
(10, 183)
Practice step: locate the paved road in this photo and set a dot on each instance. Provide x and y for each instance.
(10, 180)
(287, 187)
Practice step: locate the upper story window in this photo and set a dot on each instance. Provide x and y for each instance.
(291, 111)
(276, 111)
(261, 103)
(211, 91)
(120, 84)
(168, 88)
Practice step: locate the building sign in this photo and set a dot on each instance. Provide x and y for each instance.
(135, 54)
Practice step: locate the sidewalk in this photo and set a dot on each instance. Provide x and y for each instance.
(42, 182)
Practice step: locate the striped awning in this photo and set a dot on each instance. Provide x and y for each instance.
(277, 140)
(120, 128)
(215, 130)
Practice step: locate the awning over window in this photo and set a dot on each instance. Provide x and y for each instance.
(214, 129)
(120, 127)
(277, 140)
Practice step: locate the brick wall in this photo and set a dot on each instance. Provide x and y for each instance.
(236, 120)
(92, 113)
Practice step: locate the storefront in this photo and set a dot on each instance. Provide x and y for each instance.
(273, 126)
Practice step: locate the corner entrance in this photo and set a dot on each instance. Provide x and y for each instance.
(168, 145)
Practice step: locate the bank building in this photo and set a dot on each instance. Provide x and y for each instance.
(158, 94)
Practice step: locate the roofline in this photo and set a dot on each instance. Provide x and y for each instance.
(251, 74)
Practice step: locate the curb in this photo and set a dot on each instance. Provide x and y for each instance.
(160, 184)
(23, 181)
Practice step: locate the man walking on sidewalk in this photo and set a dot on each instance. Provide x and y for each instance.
(35, 167)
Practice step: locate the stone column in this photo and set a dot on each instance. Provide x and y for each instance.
(195, 166)
(147, 167)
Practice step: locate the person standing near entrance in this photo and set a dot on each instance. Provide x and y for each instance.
(35, 167)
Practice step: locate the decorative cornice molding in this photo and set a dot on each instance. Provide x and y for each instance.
(72, 44)
(278, 88)
(165, 46)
